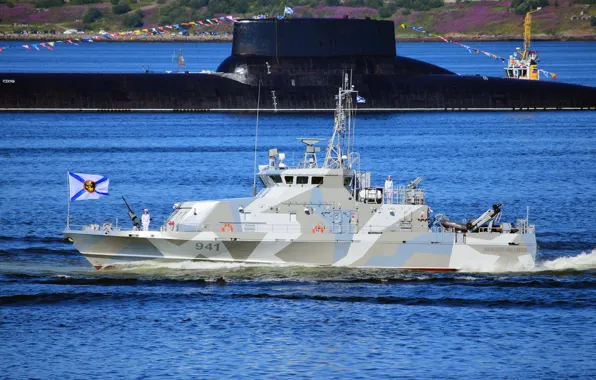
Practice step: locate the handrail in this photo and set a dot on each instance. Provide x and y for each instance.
(234, 227)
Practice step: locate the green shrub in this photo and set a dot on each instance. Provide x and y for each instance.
(420, 5)
(172, 13)
(115, 2)
(162, 1)
(385, 12)
(84, 2)
(240, 6)
(219, 6)
(201, 14)
(196, 4)
(121, 8)
(90, 15)
(133, 20)
(48, 3)
(376, 4)
(523, 6)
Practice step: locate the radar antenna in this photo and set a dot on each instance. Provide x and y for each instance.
(339, 148)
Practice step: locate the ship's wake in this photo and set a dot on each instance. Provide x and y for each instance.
(583, 261)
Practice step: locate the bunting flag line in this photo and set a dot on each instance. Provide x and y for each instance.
(183, 27)
(552, 75)
(468, 48)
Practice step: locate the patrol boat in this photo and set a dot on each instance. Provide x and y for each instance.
(319, 212)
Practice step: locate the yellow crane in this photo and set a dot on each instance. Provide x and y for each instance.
(528, 33)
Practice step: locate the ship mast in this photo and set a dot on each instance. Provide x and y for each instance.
(339, 148)
(528, 33)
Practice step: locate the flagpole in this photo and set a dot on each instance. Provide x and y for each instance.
(68, 209)
(254, 184)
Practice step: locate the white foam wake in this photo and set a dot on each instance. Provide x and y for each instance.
(583, 261)
(196, 265)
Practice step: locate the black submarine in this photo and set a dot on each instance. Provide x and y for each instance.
(293, 65)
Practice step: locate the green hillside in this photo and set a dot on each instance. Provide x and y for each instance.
(467, 19)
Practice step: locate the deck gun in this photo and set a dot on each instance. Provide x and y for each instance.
(133, 217)
(414, 184)
(488, 215)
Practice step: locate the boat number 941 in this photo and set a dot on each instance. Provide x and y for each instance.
(207, 247)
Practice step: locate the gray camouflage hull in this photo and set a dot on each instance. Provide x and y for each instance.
(441, 251)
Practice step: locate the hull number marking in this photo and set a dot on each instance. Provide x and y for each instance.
(207, 247)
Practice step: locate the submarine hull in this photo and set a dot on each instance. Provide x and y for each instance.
(218, 93)
(296, 65)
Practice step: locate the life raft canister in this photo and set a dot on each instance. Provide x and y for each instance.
(318, 228)
(227, 226)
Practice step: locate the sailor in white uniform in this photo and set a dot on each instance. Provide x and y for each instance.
(389, 190)
(146, 219)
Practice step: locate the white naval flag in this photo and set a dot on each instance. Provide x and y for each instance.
(87, 186)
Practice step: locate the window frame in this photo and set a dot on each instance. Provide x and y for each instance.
(299, 178)
(312, 180)
(273, 178)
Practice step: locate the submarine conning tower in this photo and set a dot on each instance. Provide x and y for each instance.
(287, 46)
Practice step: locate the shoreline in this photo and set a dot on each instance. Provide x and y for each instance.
(203, 38)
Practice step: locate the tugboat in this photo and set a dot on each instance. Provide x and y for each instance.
(526, 65)
(319, 212)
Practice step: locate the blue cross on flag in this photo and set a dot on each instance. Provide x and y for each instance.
(360, 99)
(288, 11)
(87, 186)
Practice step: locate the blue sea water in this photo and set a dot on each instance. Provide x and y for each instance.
(59, 318)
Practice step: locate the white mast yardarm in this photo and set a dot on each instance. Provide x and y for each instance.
(339, 148)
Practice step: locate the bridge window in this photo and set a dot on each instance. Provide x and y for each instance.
(347, 181)
(289, 180)
(317, 180)
(275, 178)
(302, 180)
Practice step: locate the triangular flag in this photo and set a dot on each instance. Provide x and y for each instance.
(46, 46)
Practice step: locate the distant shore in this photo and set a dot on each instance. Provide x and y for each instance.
(228, 38)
